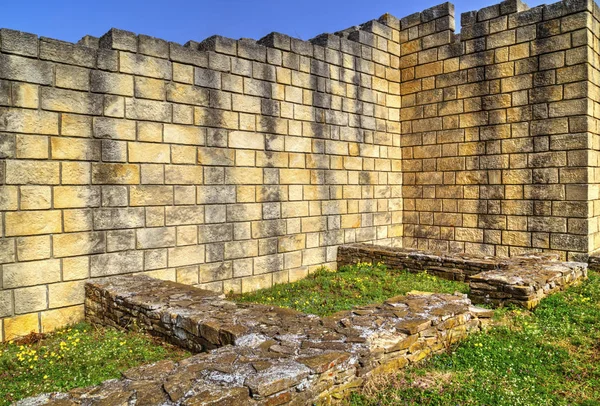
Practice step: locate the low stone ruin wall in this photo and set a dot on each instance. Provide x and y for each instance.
(522, 280)
(448, 266)
(594, 262)
(263, 355)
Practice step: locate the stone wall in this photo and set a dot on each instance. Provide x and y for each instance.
(497, 144)
(263, 355)
(236, 164)
(522, 280)
(226, 164)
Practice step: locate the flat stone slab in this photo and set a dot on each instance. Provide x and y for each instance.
(258, 354)
(523, 280)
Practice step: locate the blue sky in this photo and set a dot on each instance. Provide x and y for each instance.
(183, 20)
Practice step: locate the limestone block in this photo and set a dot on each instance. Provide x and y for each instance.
(118, 218)
(116, 263)
(76, 196)
(9, 198)
(6, 304)
(72, 77)
(215, 271)
(74, 244)
(114, 128)
(142, 65)
(70, 101)
(216, 156)
(187, 255)
(253, 283)
(30, 299)
(58, 318)
(155, 259)
(77, 220)
(75, 268)
(32, 172)
(66, 294)
(18, 42)
(21, 69)
(181, 215)
(183, 73)
(28, 121)
(32, 248)
(147, 195)
(111, 83)
(120, 240)
(32, 222)
(30, 273)
(244, 212)
(244, 176)
(104, 173)
(241, 249)
(22, 325)
(155, 237)
(147, 88)
(216, 118)
(31, 146)
(215, 233)
(246, 140)
(216, 194)
(149, 110)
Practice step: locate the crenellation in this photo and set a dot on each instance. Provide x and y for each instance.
(89, 41)
(120, 40)
(18, 42)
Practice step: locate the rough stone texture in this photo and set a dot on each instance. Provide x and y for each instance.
(522, 280)
(263, 355)
(396, 132)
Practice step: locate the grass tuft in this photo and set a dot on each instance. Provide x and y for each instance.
(79, 356)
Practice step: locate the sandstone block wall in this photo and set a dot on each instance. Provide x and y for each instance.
(498, 145)
(226, 164)
(236, 164)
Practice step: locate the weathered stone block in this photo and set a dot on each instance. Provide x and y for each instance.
(70, 101)
(18, 326)
(115, 173)
(112, 83)
(14, 67)
(118, 218)
(150, 110)
(28, 121)
(116, 263)
(28, 273)
(57, 318)
(74, 244)
(155, 237)
(66, 294)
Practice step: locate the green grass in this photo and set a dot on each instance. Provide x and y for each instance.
(325, 292)
(79, 356)
(547, 357)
